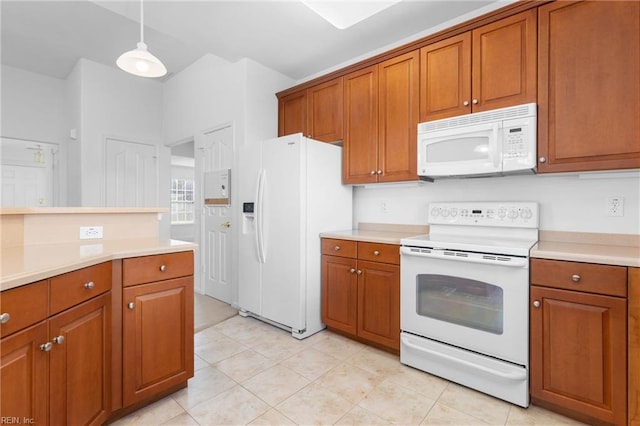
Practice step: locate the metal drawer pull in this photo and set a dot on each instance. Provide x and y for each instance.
(46, 347)
(58, 340)
(163, 268)
(336, 248)
(89, 285)
(376, 253)
(352, 270)
(4, 318)
(536, 304)
(575, 278)
(359, 272)
(131, 305)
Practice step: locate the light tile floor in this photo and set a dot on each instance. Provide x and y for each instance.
(248, 372)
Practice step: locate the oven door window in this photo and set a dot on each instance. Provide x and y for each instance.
(461, 301)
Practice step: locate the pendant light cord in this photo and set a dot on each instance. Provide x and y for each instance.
(141, 23)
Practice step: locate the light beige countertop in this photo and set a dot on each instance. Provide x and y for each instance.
(607, 249)
(378, 233)
(25, 264)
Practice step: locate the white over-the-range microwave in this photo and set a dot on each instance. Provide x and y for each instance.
(490, 143)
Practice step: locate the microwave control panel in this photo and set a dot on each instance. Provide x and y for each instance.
(519, 144)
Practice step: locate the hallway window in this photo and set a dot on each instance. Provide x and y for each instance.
(182, 201)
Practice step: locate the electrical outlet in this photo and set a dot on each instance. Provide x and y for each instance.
(615, 206)
(90, 232)
(384, 207)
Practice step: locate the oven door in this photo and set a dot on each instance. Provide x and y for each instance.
(470, 300)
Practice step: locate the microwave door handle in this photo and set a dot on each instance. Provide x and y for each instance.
(495, 146)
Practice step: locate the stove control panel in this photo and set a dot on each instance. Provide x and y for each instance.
(503, 214)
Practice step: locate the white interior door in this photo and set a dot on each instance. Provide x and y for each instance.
(217, 153)
(28, 177)
(131, 174)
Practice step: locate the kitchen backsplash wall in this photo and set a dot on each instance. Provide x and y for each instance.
(567, 202)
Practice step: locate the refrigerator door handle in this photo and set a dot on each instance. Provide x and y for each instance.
(260, 216)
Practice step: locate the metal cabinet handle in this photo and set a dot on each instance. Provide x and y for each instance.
(336, 248)
(379, 172)
(58, 340)
(89, 285)
(542, 159)
(163, 268)
(376, 253)
(536, 304)
(46, 347)
(359, 272)
(131, 305)
(575, 278)
(475, 101)
(372, 172)
(4, 318)
(352, 270)
(465, 103)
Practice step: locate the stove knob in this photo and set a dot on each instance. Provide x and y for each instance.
(454, 212)
(435, 211)
(526, 213)
(502, 212)
(513, 214)
(445, 212)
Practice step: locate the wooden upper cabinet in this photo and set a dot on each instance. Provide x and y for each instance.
(315, 112)
(381, 119)
(491, 67)
(360, 150)
(445, 78)
(398, 117)
(292, 114)
(324, 111)
(589, 86)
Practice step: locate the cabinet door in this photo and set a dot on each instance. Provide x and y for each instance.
(339, 293)
(589, 63)
(398, 122)
(24, 375)
(379, 303)
(634, 346)
(360, 150)
(445, 78)
(80, 363)
(324, 111)
(292, 114)
(579, 353)
(504, 63)
(157, 346)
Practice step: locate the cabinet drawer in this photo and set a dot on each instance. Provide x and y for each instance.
(376, 252)
(146, 269)
(24, 306)
(342, 248)
(75, 287)
(587, 277)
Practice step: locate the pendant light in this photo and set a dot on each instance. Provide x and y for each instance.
(140, 61)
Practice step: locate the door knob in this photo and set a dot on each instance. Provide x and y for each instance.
(376, 253)
(575, 278)
(475, 101)
(542, 159)
(352, 270)
(227, 224)
(131, 305)
(46, 347)
(465, 103)
(89, 285)
(58, 340)
(4, 318)
(536, 304)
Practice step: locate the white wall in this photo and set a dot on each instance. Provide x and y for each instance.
(34, 109)
(567, 202)
(120, 105)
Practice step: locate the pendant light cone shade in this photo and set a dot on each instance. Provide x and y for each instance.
(140, 61)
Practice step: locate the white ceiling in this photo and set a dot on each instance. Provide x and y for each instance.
(48, 37)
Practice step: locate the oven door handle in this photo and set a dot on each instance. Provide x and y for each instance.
(514, 262)
(506, 376)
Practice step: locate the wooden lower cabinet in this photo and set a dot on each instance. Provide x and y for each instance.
(361, 298)
(578, 346)
(24, 375)
(634, 347)
(80, 364)
(157, 337)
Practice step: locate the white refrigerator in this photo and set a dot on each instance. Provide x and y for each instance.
(291, 190)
